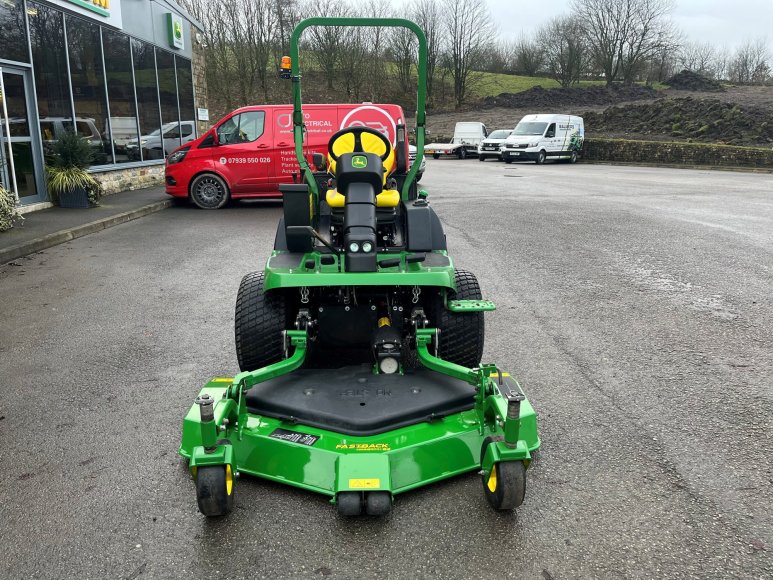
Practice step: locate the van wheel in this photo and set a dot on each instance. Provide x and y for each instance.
(540, 157)
(462, 153)
(573, 157)
(436, 156)
(208, 191)
(508, 161)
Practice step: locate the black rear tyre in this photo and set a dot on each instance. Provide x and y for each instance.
(258, 323)
(461, 333)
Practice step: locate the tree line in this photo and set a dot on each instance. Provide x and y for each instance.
(615, 40)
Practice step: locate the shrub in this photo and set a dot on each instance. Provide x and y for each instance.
(9, 213)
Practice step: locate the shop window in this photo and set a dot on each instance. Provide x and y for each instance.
(185, 93)
(167, 87)
(149, 146)
(49, 59)
(120, 93)
(13, 37)
(88, 86)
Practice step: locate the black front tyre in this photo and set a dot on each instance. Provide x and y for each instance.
(481, 158)
(259, 321)
(505, 486)
(461, 333)
(208, 191)
(215, 490)
(508, 160)
(436, 156)
(462, 153)
(541, 156)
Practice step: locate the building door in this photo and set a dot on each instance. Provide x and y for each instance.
(21, 162)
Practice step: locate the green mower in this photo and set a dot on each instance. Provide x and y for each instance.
(360, 343)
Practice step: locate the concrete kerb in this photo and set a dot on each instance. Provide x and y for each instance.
(50, 240)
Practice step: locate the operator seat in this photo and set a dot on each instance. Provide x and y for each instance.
(359, 139)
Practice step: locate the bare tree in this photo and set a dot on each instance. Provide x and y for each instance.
(563, 46)
(402, 52)
(428, 14)
(528, 55)
(721, 63)
(468, 27)
(625, 34)
(327, 42)
(750, 63)
(698, 57)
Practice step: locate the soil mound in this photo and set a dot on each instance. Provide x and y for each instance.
(538, 97)
(706, 120)
(688, 80)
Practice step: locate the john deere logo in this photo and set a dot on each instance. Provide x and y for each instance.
(359, 162)
(175, 27)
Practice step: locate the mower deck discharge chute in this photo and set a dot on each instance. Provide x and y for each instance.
(360, 343)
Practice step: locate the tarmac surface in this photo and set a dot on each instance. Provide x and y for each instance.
(634, 304)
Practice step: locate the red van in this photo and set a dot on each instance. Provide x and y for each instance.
(250, 151)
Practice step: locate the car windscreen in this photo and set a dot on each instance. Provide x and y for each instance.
(501, 134)
(530, 128)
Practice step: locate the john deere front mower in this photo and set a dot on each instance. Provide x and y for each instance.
(360, 343)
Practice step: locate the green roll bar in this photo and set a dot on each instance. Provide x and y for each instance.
(421, 116)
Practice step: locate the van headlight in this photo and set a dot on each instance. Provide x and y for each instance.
(177, 156)
(536, 144)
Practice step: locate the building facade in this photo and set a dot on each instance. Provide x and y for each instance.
(124, 74)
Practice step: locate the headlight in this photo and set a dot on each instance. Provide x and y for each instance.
(177, 156)
(534, 144)
(389, 365)
(354, 247)
(366, 247)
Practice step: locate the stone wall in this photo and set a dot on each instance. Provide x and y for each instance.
(199, 80)
(670, 153)
(128, 179)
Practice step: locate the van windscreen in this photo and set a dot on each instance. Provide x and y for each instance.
(530, 128)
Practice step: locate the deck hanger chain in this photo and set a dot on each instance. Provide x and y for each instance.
(304, 294)
(416, 293)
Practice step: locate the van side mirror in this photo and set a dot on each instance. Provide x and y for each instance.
(319, 160)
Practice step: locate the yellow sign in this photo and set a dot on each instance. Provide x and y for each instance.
(365, 446)
(364, 483)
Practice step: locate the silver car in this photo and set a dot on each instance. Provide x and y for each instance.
(412, 158)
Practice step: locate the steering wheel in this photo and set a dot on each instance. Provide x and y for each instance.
(356, 133)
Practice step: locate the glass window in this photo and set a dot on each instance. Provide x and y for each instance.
(13, 37)
(49, 57)
(185, 94)
(167, 86)
(241, 128)
(120, 92)
(88, 86)
(147, 104)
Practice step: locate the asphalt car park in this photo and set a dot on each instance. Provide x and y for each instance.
(634, 305)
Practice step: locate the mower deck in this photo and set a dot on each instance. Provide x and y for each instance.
(354, 401)
(328, 462)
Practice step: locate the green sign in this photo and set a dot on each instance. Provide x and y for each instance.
(359, 162)
(175, 29)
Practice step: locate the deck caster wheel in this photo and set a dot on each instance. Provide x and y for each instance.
(349, 503)
(215, 490)
(378, 503)
(505, 486)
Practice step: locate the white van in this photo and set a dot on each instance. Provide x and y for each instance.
(468, 135)
(539, 137)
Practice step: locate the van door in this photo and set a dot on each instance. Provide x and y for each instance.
(244, 152)
(551, 145)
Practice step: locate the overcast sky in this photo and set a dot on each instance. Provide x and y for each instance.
(722, 22)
